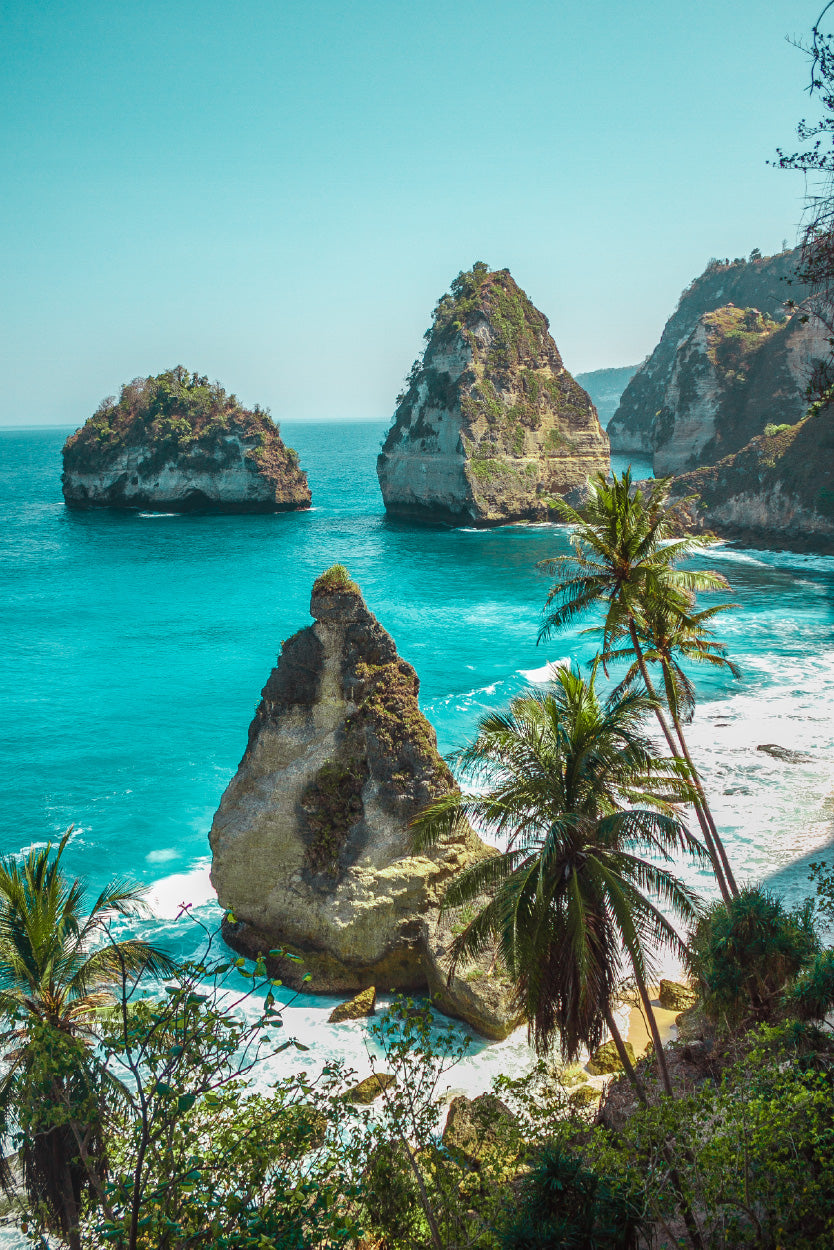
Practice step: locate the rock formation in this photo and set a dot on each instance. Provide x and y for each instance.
(175, 443)
(763, 283)
(736, 373)
(776, 492)
(491, 425)
(311, 847)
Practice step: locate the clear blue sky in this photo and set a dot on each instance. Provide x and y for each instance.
(275, 192)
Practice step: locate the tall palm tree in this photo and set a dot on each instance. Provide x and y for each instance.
(624, 552)
(56, 962)
(670, 631)
(572, 898)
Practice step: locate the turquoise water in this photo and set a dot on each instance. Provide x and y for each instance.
(135, 647)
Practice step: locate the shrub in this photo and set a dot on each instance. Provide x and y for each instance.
(745, 954)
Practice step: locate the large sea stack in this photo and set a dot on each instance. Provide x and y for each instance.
(763, 283)
(491, 425)
(177, 443)
(312, 852)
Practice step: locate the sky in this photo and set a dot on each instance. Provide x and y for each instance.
(276, 192)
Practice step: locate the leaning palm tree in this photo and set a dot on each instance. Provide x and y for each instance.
(578, 891)
(56, 962)
(669, 632)
(624, 552)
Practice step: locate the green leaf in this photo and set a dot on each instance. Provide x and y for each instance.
(186, 1101)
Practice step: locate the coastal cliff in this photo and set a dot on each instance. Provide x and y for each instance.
(776, 492)
(737, 372)
(176, 443)
(764, 283)
(311, 846)
(491, 425)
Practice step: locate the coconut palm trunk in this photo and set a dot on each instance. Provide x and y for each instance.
(720, 864)
(732, 887)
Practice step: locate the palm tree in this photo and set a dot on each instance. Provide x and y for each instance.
(625, 552)
(669, 631)
(573, 896)
(56, 961)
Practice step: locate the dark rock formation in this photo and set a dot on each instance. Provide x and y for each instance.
(785, 754)
(764, 284)
(606, 1059)
(491, 424)
(776, 492)
(176, 443)
(311, 846)
(477, 1129)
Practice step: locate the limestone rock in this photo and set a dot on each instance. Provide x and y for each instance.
(366, 1091)
(175, 443)
(776, 492)
(676, 997)
(691, 1025)
(356, 1008)
(311, 843)
(763, 283)
(605, 387)
(737, 373)
(479, 994)
(605, 1058)
(477, 1128)
(491, 425)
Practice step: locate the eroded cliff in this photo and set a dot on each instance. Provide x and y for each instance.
(176, 443)
(776, 492)
(737, 372)
(311, 846)
(764, 283)
(491, 425)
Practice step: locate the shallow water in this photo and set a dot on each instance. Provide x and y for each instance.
(135, 648)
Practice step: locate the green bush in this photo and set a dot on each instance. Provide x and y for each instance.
(746, 953)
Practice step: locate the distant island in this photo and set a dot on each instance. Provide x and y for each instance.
(178, 443)
(606, 386)
(490, 425)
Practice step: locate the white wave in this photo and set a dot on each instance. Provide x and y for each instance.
(162, 856)
(151, 516)
(541, 676)
(166, 896)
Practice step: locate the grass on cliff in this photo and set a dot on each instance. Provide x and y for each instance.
(333, 580)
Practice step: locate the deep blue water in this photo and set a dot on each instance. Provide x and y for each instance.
(135, 647)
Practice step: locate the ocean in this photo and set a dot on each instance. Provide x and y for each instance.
(135, 647)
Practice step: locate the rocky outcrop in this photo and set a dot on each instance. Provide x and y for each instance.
(674, 996)
(357, 1008)
(738, 372)
(776, 492)
(176, 443)
(763, 283)
(606, 1058)
(311, 846)
(491, 425)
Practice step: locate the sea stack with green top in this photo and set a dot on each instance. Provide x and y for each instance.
(491, 426)
(178, 443)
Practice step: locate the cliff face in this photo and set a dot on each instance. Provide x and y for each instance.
(491, 424)
(311, 847)
(737, 372)
(776, 492)
(175, 443)
(765, 284)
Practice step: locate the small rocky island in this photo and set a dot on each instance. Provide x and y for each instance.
(491, 425)
(178, 443)
(311, 848)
